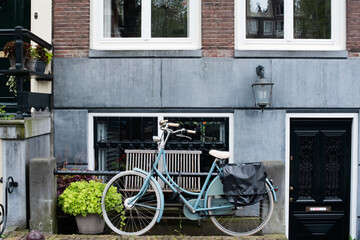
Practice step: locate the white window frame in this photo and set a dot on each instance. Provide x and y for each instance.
(354, 162)
(99, 42)
(160, 116)
(336, 43)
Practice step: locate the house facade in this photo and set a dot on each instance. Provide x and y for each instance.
(121, 66)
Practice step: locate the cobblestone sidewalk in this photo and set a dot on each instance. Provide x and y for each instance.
(21, 235)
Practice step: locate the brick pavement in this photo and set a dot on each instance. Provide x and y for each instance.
(21, 235)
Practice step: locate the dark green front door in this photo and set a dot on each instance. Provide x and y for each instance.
(319, 179)
(12, 13)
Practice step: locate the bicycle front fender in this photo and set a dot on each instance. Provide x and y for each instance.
(160, 191)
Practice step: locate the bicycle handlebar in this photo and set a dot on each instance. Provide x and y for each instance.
(165, 124)
(173, 125)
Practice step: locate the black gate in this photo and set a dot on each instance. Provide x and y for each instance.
(320, 179)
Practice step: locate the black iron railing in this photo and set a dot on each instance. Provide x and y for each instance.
(26, 100)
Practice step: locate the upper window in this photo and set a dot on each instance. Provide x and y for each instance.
(290, 25)
(145, 24)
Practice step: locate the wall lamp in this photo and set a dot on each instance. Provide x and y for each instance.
(262, 89)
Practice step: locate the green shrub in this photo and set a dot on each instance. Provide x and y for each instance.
(85, 198)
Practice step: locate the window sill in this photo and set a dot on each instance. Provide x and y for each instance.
(145, 54)
(290, 54)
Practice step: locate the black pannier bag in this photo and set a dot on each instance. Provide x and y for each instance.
(244, 184)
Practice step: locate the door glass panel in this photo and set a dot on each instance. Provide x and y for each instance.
(332, 166)
(169, 18)
(306, 166)
(264, 19)
(312, 19)
(122, 18)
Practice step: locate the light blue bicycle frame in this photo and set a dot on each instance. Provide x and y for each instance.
(177, 189)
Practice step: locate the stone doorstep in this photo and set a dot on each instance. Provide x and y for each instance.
(21, 235)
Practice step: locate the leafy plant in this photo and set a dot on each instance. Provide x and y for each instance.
(3, 112)
(31, 53)
(63, 181)
(42, 54)
(85, 198)
(11, 83)
(9, 49)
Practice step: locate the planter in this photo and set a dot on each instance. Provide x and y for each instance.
(13, 63)
(40, 66)
(30, 64)
(91, 224)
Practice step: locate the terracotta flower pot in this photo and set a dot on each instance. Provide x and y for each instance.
(91, 224)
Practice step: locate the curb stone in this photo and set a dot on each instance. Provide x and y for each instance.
(21, 235)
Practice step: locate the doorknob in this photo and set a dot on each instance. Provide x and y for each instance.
(291, 200)
(291, 188)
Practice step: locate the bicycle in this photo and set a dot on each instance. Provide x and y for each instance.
(143, 197)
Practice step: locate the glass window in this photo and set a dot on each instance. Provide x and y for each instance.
(312, 19)
(314, 25)
(145, 24)
(169, 18)
(114, 135)
(263, 14)
(122, 18)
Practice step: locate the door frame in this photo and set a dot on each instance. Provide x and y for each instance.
(354, 161)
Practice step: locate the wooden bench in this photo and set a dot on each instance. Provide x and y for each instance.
(176, 161)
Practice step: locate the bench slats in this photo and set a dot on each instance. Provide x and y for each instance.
(176, 161)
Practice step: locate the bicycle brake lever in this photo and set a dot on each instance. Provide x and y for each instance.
(184, 136)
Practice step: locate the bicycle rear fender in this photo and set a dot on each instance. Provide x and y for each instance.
(160, 191)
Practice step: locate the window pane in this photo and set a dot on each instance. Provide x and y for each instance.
(312, 19)
(122, 18)
(264, 18)
(114, 135)
(169, 18)
(211, 133)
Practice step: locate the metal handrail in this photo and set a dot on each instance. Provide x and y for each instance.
(27, 33)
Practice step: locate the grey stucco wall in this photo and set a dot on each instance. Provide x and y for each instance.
(259, 136)
(140, 84)
(203, 83)
(70, 137)
(16, 156)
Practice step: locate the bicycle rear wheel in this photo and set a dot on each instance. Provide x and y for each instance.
(245, 220)
(136, 217)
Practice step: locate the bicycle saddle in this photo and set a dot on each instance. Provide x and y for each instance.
(219, 154)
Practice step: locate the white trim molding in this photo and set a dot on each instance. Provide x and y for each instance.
(145, 42)
(160, 116)
(354, 162)
(288, 43)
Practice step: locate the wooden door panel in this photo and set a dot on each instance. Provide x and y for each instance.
(320, 179)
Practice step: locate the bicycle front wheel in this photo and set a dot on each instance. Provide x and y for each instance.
(138, 212)
(244, 220)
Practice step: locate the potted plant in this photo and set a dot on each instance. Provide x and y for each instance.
(9, 52)
(31, 56)
(43, 58)
(83, 200)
